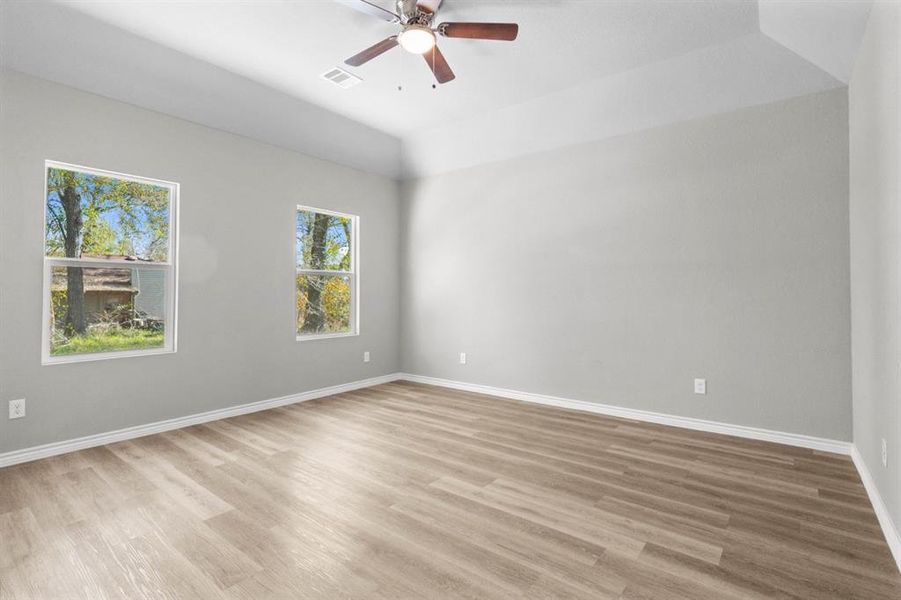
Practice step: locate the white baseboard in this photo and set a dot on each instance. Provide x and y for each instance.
(47, 450)
(791, 439)
(892, 535)
(767, 435)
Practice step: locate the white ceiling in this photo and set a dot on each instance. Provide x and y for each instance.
(827, 34)
(287, 45)
(746, 71)
(580, 69)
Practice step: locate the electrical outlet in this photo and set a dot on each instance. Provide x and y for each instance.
(884, 453)
(17, 408)
(700, 386)
(366, 356)
(462, 358)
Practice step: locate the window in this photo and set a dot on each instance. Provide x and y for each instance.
(109, 264)
(326, 278)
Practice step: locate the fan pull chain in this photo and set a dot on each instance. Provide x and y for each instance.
(400, 61)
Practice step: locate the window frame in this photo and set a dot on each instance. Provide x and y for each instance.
(354, 275)
(170, 266)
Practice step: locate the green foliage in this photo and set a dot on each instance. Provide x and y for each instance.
(118, 216)
(98, 237)
(111, 340)
(336, 304)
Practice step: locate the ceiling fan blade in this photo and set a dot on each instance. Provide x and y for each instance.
(371, 8)
(369, 53)
(429, 6)
(438, 65)
(480, 31)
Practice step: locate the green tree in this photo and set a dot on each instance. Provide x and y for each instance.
(314, 316)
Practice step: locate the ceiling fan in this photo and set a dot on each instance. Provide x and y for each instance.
(417, 34)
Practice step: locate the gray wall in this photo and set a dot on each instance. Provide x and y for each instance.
(236, 330)
(876, 249)
(617, 271)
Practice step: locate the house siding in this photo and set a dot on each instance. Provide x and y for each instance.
(151, 296)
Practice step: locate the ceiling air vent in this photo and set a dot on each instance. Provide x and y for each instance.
(341, 78)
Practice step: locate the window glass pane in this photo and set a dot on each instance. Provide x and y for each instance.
(91, 216)
(323, 241)
(323, 304)
(106, 309)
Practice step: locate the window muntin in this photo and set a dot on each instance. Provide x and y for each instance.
(109, 264)
(326, 273)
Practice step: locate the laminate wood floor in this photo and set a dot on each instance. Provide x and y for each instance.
(409, 491)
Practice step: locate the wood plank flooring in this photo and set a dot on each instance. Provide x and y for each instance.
(409, 491)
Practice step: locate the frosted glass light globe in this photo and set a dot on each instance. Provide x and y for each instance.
(416, 39)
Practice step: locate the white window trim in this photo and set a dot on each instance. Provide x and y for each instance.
(354, 274)
(170, 266)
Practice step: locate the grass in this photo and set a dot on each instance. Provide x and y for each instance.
(111, 341)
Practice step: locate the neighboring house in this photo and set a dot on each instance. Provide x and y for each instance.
(151, 292)
(108, 288)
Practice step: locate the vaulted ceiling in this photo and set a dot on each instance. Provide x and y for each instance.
(580, 70)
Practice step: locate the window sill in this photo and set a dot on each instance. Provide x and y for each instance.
(81, 358)
(326, 336)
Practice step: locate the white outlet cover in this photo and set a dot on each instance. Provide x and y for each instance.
(17, 408)
(462, 358)
(366, 357)
(700, 386)
(884, 453)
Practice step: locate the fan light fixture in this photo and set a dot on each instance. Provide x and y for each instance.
(417, 33)
(416, 39)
